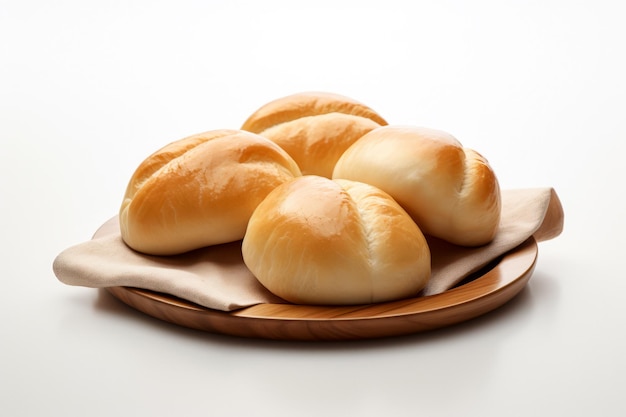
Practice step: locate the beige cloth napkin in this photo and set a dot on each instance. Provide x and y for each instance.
(216, 277)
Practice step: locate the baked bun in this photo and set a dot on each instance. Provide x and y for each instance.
(315, 128)
(200, 191)
(318, 241)
(450, 191)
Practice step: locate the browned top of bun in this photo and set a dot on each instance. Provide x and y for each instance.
(305, 104)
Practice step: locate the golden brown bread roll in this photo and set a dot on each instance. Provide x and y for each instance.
(318, 241)
(450, 191)
(304, 104)
(200, 191)
(315, 128)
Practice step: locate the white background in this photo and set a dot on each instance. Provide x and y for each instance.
(89, 89)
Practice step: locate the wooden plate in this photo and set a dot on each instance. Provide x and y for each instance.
(490, 289)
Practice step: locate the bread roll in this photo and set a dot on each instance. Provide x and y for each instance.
(304, 104)
(450, 191)
(318, 241)
(315, 128)
(200, 191)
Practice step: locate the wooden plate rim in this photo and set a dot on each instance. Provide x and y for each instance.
(302, 322)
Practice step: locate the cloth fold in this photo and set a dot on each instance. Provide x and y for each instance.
(216, 277)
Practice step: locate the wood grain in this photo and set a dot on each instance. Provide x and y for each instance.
(487, 292)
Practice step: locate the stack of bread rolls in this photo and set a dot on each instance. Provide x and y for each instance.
(330, 202)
